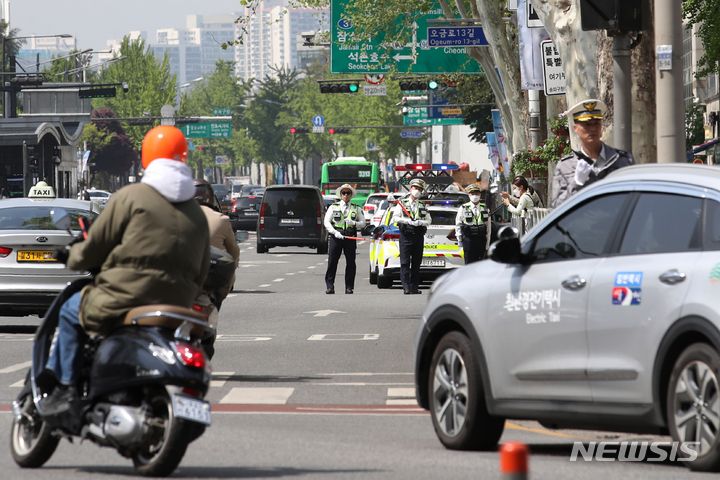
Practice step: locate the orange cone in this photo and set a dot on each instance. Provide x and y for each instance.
(514, 461)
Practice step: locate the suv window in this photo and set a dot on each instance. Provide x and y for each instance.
(663, 223)
(375, 199)
(581, 233)
(712, 225)
(299, 201)
(445, 217)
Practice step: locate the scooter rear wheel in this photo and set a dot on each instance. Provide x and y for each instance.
(31, 441)
(166, 447)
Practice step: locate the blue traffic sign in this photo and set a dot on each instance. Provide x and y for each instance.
(456, 37)
(411, 134)
(318, 120)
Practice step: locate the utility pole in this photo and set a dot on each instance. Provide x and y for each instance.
(669, 83)
(622, 88)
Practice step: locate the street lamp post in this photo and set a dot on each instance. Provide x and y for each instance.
(7, 92)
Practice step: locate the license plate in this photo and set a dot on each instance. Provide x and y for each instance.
(190, 409)
(432, 262)
(35, 256)
(291, 221)
(251, 213)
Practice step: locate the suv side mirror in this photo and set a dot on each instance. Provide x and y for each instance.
(367, 229)
(507, 248)
(233, 216)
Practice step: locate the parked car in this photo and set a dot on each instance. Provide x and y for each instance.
(292, 215)
(604, 316)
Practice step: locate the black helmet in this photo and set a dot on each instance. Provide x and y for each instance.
(204, 193)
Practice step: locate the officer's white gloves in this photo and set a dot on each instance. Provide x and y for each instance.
(350, 222)
(582, 172)
(416, 223)
(338, 235)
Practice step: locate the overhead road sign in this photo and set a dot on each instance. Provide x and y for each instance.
(416, 56)
(221, 111)
(207, 130)
(462, 36)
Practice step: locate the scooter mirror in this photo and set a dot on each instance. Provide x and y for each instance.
(60, 218)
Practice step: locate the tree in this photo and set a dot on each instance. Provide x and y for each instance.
(705, 15)
(150, 85)
(694, 126)
(57, 70)
(110, 148)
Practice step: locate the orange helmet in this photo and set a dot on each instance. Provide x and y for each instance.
(164, 141)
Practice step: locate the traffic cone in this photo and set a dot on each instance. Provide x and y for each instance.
(514, 461)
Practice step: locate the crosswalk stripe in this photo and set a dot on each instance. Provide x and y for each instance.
(401, 396)
(15, 368)
(220, 383)
(19, 384)
(268, 396)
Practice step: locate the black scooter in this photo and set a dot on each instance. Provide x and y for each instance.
(142, 387)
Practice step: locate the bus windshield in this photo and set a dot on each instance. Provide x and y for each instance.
(349, 173)
(362, 175)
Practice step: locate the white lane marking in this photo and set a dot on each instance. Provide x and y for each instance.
(321, 263)
(341, 337)
(289, 274)
(246, 266)
(231, 295)
(282, 255)
(19, 384)
(274, 396)
(357, 384)
(364, 374)
(278, 280)
(243, 338)
(301, 271)
(16, 367)
(401, 392)
(310, 267)
(324, 313)
(401, 401)
(219, 383)
(265, 285)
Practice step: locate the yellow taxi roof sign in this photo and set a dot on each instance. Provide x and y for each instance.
(41, 190)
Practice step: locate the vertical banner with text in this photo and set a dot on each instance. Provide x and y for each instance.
(500, 137)
(493, 149)
(531, 66)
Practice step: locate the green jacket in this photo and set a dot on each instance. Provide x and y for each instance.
(148, 250)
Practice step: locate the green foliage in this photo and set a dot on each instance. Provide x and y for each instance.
(706, 15)
(150, 85)
(57, 70)
(12, 46)
(95, 136)
(551, 150)
(694, 126)
(559, 123)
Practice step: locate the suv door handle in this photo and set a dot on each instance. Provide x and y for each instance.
(574, 283)
(672, 277)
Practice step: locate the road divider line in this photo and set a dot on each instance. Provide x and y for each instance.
(264, 285)
(344, 337)
(16, 367)
(278, 280)
(298, 409)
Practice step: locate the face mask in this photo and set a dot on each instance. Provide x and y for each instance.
(474, 198)
(415, 193)
(516, 192)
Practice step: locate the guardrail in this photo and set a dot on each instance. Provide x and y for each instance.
(531, 218)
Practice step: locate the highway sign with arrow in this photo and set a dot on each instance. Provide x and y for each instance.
(416, 56)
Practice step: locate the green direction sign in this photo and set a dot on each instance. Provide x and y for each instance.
(419, 117)
(415, 57)
(222, 111)
(207, 130)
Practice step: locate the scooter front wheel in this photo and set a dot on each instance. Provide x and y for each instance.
(31, 440)
(167, 442)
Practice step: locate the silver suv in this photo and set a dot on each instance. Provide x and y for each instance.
(605, 316)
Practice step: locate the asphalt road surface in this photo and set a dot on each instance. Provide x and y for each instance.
(309, 385)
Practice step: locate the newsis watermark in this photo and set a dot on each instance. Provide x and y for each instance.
(628, 451)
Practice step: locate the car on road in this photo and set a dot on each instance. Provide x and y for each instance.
(292, 216)
(241, 189)
(605, 316)
(440, 254)
(223, 195)
(372, 202)
(30, 278)
(247, 210)
(100, 197)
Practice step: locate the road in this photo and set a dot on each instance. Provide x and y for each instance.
(311, 385)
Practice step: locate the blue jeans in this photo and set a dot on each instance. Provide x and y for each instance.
(65, 358)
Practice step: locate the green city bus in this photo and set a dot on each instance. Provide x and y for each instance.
(358, 172)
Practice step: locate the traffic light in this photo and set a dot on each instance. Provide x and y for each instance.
(351, 87)
(333, 131)
(433, 85)
(104, 92)
(26, 80)
(414, 84)
(299, 130)
(202, 147)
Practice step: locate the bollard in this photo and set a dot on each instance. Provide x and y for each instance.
(514, 461)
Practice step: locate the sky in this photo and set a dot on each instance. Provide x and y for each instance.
(93, 22)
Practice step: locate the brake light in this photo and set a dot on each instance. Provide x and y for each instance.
(190, 391)
(391, 236)
(204, 310)
(190, 356)
(5, 251)
(369, 207)
(262, 215)
(252, 197)
(319, 217)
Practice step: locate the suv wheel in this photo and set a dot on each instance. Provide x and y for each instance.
(384, 282)
(457, 401)
(322, 248)
(693, 404)
(261, 248)
(373, 276)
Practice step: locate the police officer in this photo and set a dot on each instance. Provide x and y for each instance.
(342, 219)
(412, 219)
(595, 159)
(470, 226)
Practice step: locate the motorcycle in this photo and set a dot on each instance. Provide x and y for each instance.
(141, 388)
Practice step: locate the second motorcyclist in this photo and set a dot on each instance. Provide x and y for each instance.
(151, 245)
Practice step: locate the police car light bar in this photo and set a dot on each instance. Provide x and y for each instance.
(444, 166)
(414, 167)
(399, 168)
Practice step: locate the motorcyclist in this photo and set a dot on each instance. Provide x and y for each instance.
(221, 232)
(151, 245)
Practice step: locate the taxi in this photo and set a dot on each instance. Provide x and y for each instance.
(30, 278)
(440, 255)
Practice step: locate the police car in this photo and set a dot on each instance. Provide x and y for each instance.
(441, 253)
(29, 277)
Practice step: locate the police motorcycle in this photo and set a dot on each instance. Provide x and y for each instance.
(141, 388)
